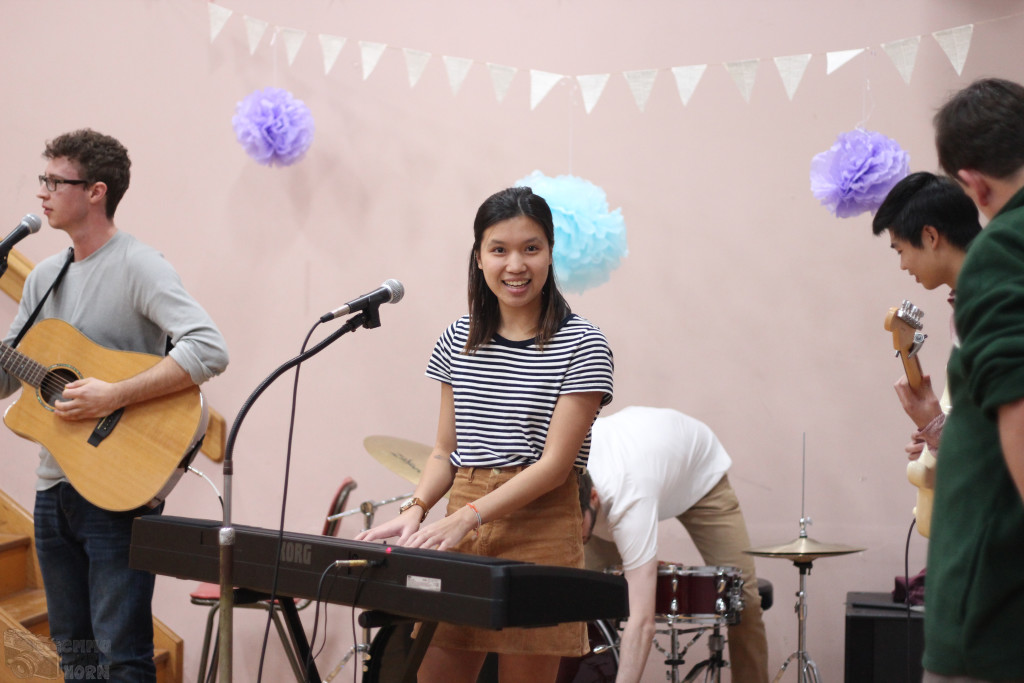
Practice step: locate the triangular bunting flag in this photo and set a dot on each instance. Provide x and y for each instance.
(457, 68)
(792, 69)
(836, 59)
(743, 72)
(501, 77)
(293, 39)
(591, 86)
(254, 30)
(218, 17)
(956, 42)
(541, 83)
(687, 78)
(415, 63)
(641, 83)
(903, 54)
(331, 46)
(371, 53)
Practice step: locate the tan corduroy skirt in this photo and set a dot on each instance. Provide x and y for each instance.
(546, 531)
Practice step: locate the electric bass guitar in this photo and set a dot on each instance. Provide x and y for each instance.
(907, 338)
(130, 458)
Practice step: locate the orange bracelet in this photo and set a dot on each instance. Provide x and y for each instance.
(479, 519)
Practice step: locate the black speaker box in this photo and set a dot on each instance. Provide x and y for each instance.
(884, 642)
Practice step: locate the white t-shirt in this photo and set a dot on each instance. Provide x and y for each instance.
(649, 464)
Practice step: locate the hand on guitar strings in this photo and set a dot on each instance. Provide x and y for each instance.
(87, 399)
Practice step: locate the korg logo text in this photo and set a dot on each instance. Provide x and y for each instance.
(297, 553)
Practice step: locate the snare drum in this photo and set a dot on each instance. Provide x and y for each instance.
(698, 595)
(711, 595)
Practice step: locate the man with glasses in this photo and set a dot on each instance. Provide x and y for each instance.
(122, 295)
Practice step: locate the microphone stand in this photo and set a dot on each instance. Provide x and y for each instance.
(4, 253)
(370, 318)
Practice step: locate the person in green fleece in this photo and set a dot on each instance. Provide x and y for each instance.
(974, 621)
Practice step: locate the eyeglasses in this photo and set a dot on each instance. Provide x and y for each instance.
(52, 183)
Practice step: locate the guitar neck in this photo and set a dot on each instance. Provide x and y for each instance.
(912, 367)
(21, 366)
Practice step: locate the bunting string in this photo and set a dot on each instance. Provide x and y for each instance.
(954, 42)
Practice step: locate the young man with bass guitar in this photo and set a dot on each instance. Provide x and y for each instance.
(121, 295)
(931, 222)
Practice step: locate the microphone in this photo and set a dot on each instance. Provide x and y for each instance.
(391, 292)
(28, 225)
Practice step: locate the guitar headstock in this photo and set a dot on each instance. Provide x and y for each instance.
(910, 314)
(907, 338)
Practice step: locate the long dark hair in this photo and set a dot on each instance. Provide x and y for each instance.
(484, 314)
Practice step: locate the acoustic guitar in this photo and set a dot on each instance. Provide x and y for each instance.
(907, 338)
(130, 458)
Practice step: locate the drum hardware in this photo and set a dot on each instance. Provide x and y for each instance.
(708, 670)
(802, 552)
(600, 665)
(367, 509)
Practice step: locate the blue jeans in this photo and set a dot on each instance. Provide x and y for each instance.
(100, 610)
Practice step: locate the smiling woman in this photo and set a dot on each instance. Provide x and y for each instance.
(522, 379)
(515, 259)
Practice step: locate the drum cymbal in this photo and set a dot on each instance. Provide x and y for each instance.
(803, 549)
(403, 457)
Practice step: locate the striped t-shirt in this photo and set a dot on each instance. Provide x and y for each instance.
(505, 392)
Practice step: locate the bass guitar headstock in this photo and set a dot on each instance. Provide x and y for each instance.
(907, 338)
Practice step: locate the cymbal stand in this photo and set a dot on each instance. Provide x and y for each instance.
(367, 509)
(807, 670)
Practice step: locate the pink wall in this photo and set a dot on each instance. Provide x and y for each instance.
(743, 301)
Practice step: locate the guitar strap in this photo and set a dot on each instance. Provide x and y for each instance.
(32, 318)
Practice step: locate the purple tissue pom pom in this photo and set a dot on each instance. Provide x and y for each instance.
(274, 128)
(856, 174)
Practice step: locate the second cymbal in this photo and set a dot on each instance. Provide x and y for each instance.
(403, 457)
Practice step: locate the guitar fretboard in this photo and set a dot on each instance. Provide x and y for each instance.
(21, 366)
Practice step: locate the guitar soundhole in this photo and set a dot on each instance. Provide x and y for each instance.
(52, 386)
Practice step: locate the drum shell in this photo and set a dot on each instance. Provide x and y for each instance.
(699, 595)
